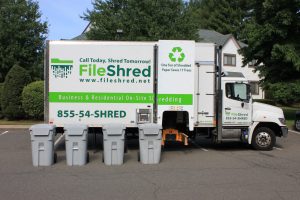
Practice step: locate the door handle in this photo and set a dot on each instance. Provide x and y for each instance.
(242, 105)
(227, 108)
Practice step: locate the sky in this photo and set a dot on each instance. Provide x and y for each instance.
(63, 17)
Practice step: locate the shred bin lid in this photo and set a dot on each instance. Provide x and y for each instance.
(42, 129)
(113, 129)
(150, 129)
(75, 129)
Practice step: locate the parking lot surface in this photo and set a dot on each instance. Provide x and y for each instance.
(199, 171)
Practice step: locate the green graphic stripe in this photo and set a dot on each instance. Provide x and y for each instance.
(175, 99)
(58, 61)
(91, 97)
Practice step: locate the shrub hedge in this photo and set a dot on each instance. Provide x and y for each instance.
(11, 104)
(33, 99)
(285, 93)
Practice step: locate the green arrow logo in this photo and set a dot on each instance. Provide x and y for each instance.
(174, 58)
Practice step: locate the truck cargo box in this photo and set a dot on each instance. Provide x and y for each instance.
(96, 83)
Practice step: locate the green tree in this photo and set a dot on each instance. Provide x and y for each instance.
(285, 92)
(273, 36)
(33, 99)
(224, 16)
(22, 36)
(1, 90)
(15, 80)
(140, 20)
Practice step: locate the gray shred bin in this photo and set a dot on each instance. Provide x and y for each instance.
(76, 137)
(42, 144)
(113, 143)
(150, 143)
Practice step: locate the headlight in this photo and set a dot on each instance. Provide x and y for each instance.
(282, 120)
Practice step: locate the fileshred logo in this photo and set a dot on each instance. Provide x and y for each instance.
(176, 54)
(61, 68)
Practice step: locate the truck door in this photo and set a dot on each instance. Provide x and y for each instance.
(237, 109)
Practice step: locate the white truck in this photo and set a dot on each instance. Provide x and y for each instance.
(177, 84)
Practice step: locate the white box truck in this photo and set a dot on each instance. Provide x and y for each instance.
(177, 84)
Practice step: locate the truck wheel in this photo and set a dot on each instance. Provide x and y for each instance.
(297, 124)
(138, 155)
(263, 139)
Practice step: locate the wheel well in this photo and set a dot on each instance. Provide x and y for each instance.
(273, 126)
(176, 119)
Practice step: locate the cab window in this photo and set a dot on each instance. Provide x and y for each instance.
(238, 91)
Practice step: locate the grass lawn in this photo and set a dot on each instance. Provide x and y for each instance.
(290, 114)
(19, 122)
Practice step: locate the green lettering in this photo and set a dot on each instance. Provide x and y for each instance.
(111, 71)
(116, 114)
(119, 69)
(136, 72)
(94, 69)
(110, 114)
(122, 114)
(128, 70)
(147, 72)
(101, 71)
(102, 114)
(82, 68)
(90, 70)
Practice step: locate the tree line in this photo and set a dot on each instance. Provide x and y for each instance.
(270, 28)
(22, 40)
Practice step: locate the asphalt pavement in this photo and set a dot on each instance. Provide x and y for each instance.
(199, 171)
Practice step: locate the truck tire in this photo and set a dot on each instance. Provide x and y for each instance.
(263, 139)
(297, 124)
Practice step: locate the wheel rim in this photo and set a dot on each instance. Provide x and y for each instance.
(263, 139)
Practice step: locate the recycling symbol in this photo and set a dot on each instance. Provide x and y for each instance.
(177, 54)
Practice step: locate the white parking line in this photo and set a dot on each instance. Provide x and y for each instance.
(198, 146)
(203, 149)
(295, 132)
(277, 148)
(4, 133)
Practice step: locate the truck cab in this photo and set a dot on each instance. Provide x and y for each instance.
(257, 123)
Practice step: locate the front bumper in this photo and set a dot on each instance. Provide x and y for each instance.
(284, 131)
